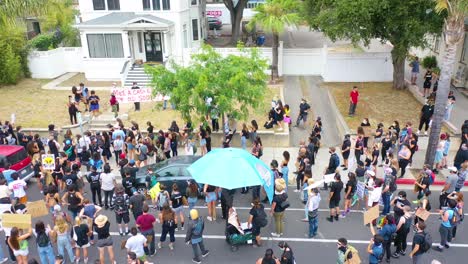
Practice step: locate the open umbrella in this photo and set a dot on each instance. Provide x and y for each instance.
(233, 168)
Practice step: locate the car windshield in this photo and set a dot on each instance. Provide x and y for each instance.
(157, 166)
(16, 157)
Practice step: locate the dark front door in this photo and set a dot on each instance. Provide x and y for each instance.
(153, 46)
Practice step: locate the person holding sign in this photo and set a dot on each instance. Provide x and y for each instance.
(19, 244)
(387, 231)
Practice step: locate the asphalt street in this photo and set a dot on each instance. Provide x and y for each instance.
(319, 250)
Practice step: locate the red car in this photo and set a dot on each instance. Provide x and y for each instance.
(18, 159)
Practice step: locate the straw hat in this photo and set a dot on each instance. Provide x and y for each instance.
(100, 221)
(280, 185)
(193, 214)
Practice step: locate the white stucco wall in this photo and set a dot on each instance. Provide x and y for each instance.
(53, 63)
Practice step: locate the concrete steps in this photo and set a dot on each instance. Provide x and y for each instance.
(137, 74)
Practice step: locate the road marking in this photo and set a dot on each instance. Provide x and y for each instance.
(295, 239)
(299, 209)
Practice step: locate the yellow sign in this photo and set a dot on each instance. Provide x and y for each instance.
(48, 161)
(22, 221)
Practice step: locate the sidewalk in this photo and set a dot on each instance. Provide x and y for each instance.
(53, 85)
(459, 111)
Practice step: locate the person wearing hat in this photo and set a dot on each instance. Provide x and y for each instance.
(449, 187)
(278, 206)
(104, 241)
(194, 236)
(304, 109)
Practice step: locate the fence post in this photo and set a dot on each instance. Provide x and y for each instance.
(280, 58)
(324, 61)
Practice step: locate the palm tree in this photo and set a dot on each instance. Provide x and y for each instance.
(273, 16)
(454, 27)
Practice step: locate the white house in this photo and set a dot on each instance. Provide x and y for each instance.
(117, 33)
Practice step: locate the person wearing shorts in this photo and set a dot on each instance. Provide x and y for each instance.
(104, 241)
(210, 199)
(334, 199)
(177, 205)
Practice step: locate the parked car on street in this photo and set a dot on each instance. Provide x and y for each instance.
(214, 23)
(17, 158)
(167, 172)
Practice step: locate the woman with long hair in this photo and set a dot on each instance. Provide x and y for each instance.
(404, 156)
(350, 190)
(202, 137)
(18, 243)
(210, 199)
(457, 196)
(253, 131)
(192, 194)
(169, 223)
(284, 167)
(80, 234)
(106, 152)
(104, 239)
(44, 247)
(63, 238)
(244, 136)
(257, 220)
(177, 205)
(268, 258)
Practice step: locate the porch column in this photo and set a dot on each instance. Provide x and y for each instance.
(167, 44)
(126, 46)
(84, 45)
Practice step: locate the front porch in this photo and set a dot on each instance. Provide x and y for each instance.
(114, 43)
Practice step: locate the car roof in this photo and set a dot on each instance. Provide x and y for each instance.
(178, 160)
(6, 150)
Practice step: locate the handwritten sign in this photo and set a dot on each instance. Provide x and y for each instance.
(125, 95)
(329, 177)
(360, 187)
(48, 161)
(22, 221)
(214, 13)
(37, 208)
(423, 214)
(371, 214)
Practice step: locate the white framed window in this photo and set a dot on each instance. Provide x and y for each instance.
(156, 4)
(195, 29)
(184, 32)
(140, 42)
(146, 4)
(105, 45)
(464, 53)
(111, 4)
(166, 4)
(194, 2)
(99, 5)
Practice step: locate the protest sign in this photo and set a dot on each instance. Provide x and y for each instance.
(125, 95)
(371, 214)
(37, 208)
(329, 177)
(314, 185)
(48, 161)
(22, 221)
(423, 214)
(360, 187)
(351, 163)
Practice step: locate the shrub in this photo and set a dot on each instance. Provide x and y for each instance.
(429, 62)
(44, 42)
(10, 64)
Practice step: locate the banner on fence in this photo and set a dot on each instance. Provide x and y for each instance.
(125, 95)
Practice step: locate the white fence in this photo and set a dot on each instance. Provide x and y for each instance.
(302, 62)
(53, 63)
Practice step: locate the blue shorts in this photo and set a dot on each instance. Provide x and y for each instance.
(210, 197)
(93, 107)
(203, 142)
(130, 146)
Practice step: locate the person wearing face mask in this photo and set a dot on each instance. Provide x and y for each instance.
(346, 252)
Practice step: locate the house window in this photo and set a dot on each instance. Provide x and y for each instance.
(464, 54)
(146, 4)
(166, 4)
(140, 42)
(105, 45)
(185, 36)
(113, 4)
(194, 2)
(99, 5)
(156, 5)
(195, 29)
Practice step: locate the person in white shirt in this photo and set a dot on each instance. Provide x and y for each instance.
(118, 147)
(136, 244)
(312, 205)
(4, 190)
(107, 185)
(18, 187)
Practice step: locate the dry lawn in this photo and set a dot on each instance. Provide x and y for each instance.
(162, 118)
(36, 107)
(377, 101)
(80, 78)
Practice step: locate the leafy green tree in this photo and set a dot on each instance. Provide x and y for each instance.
(59, 19)
(274, 16)
(453, 31)
(403, 23)
(10, 66)
(236, 83)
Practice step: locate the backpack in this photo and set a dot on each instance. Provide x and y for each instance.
(427, 244)
(42, 239)
(80, 235)
(393, 185)
(120, 205)
(162, 199)
(381, 255)
(260, 152)
(432, 178)
(261, 218)
(456, 217)
(336, 160)
(284, 203)
(355, 259)
(198, 228)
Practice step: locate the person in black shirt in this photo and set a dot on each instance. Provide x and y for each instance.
(386, 147)
(425, 116)
(427, 82)
(345, 150)
(333, 164)
(137, 104)
(398, 203)
(128, 183)
(304, 108)
(334, 198)
(94, 179)
(418, 241)
(375, 154)
(69, 178)
(287, 257)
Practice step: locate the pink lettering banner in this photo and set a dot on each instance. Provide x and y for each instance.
(125, 95)
(215, 13)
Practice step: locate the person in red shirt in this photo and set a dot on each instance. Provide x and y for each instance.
(146, 222)
(353, 100)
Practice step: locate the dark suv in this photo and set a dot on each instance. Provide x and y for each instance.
(214, 23)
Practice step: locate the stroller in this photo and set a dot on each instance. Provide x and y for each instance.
(234, 238)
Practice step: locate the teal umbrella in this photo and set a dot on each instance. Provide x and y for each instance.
(233, 168)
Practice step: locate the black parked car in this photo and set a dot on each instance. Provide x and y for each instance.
(168, 172)
(214, 23)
